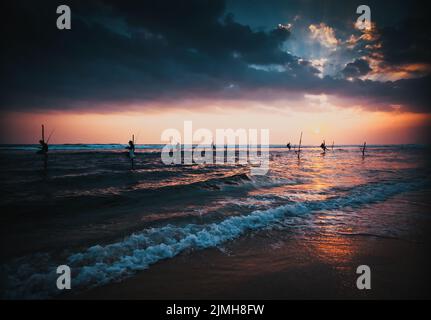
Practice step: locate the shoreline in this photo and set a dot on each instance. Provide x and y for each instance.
(294, 271)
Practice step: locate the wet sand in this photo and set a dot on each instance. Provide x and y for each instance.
(294, 269)
(280, 264)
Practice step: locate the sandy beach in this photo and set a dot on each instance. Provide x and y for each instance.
(287, 267)
(400, 272)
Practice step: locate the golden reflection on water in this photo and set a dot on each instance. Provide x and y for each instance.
(329, 243)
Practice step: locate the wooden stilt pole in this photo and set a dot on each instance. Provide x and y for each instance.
(299, 148)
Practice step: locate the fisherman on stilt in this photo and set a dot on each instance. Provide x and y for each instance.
(131, 148)
(324, 147)
(43, 145)
(44, 148)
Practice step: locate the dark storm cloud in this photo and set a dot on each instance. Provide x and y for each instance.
(143, 51)
(411, 93)
(408, 42)
(357, 68)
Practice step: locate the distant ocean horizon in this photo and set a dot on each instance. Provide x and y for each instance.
(121, 146)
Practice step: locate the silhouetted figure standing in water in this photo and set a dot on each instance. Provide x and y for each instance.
(288, 146)
(324, 147)
(131, 146)
(43, 147)
(43, 144)
(44, 151)
(131, 155)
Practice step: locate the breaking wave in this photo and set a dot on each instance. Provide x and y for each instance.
(35, 276)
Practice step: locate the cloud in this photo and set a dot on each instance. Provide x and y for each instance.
(395, 52)
(138, 52)
(407, 42)
(324, 34)
(163, 49)
(356, 69)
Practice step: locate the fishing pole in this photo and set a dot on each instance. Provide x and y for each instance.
(50, 135)
(137, 137)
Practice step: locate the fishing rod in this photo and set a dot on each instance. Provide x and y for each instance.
(135, 142)
(50, 135)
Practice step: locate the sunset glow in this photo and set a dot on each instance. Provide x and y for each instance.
(343, 125)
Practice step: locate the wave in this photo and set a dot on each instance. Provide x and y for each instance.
(35, 277)
(99, 265)
(115, 189)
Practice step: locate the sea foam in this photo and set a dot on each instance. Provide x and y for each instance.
(98, 265)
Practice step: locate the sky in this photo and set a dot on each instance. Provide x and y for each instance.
(291, 66)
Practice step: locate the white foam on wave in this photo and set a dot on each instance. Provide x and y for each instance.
(102, 264)
(98, 265)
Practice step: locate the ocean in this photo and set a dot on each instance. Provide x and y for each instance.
(87, 209)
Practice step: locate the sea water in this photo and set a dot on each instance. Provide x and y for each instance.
(88, 210)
